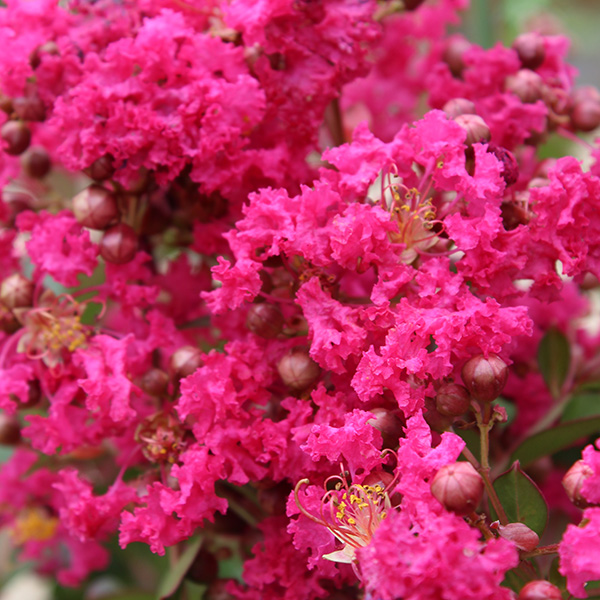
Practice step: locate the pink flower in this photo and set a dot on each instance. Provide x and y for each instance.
(578, 551)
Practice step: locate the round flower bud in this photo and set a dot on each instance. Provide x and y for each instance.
(573, 480)
(119, 244)
(95, 207)
(485, 377)
(265, 320)
(453, 54)
(388, 423)
(102, 168)
(585, 115)
(10, 431)
(35, 58)
(204, 569)
(185, 361)
(155, 382)
(297, 369)
(525, 84)
(459, 106)
(531, 50)
(36, 162)
(412, 4)
(16, 291)
(520, 535)
(539, 590)
(29, 108)
(476, 128)
(458, 487)
(452, 400)
(17, 136)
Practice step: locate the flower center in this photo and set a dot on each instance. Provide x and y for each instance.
(33, 524)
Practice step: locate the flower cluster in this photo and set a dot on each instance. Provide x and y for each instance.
(247, 289)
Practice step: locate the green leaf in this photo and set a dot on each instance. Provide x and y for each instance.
(471, 440)
(582, 406)
(555, 578)
(554, 358)
(552, 440)
(521, 499)
(174, 576)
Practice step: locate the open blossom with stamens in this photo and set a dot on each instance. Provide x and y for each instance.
(352, 512)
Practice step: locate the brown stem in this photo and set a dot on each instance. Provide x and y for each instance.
(541, 551)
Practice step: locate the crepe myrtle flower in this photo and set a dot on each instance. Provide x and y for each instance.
(352, 512)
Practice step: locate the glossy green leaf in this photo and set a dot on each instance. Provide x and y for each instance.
(521, 499)
(552, 440)
(582, 406)
(171, 582)
(554, 358)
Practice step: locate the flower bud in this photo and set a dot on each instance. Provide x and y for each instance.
(29, 108)
(519, 534)
(388, 423)
(185, 361)
(49, 48)
(297, 369)
(539, 590)
(6, 104)
(476, 128)
(155, 382)
(10, 431)
(459, 106)
(412, 4)
(36, 162)
(16, 291)
(585, 115)
(525, 84)
(531, 50)
(95, 207)
(574, 479)
(453, 54)
(119, 244)
(17, 136)
(265, 320)
(458, 487)
(485, 377)
(102, 168)
(452, 400)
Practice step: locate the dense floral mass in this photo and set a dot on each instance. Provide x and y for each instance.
(292, 278)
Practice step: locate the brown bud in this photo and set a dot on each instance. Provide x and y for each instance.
(36, 162)
(412, 4)
(452, 400)
(574, 479)
(458, 487)
(10, 430)
(185, 361)
(453, 54)
(531, 50)
(525, 84)
(297, 369)
(265, 320)
(16, 291)
(6, 104)
(17, 136)
(204, 569)
(154, 382)
(485, 377)
(585, 115)
(476, 128)
(520, 535)
(95, 207)
(35, 58)
(539, 590)
(388, 423)
(459, 106)
(29, 108)
(119, 244)
(102, 168)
